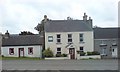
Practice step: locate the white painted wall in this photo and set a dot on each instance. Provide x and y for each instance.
(88, 39)
(37, 51)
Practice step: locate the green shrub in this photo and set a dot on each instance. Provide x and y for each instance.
(89, 53)
(48, 53)
(58, 55)
(61, 55)
(93, 53)
(82, 53)
(64, 55)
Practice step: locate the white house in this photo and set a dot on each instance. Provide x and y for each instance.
(21, 45)
(69, 36)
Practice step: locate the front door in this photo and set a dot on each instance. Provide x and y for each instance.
(21, 52)
(72, 53)
(114, 52)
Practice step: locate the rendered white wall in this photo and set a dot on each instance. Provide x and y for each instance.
(37, 51)
(88, 39)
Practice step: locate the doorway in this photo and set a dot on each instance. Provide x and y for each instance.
(21, 52)
(72, 53)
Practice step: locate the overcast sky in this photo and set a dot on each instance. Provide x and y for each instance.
(24, 15)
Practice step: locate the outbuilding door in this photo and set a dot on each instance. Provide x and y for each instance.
(114, 52)
(21, 52)
(72, 53)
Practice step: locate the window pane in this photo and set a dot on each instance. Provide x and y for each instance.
(81, 35)
(81, 40)
(58, 52)
(50, 38)
(69, 35)
(69, 40)
(30, 50)
(58, 35)
(58, 49)
(11, 51)
(81, 48)
(58, 40)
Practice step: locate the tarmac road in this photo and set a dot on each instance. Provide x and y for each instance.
(60, 64)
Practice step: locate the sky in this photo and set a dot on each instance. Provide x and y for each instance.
(24, 15)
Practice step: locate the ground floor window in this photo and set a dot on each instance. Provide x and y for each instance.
(30, 50)
(81, 49)
(103, 51)
(11, 51)
(59, 50)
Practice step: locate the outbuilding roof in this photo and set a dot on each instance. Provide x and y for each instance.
(22, 40)
(105, 33)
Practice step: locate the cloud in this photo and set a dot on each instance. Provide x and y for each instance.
(24, 15)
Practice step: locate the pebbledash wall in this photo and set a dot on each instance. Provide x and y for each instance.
(88, 42)
(37, 51)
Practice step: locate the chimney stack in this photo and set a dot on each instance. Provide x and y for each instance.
(7, 34)
(85, 17)
(90, 21)
(45, 18)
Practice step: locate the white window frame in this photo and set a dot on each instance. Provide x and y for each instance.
(50, 38)
(81, 37)
(70, 38)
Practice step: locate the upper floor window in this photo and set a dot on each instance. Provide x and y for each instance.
(58, 38)
(11, 51)
(30, 50)
(69, 38)
(50, 38)
(81, 37)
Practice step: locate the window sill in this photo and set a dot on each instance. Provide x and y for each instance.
(70, 42)
(58, 43)
(81, 42)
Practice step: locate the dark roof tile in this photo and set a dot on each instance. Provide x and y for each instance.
(67, 26)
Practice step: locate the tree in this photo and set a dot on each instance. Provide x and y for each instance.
(48, 53)
(26, 33)
(40, 29)
(40, 26)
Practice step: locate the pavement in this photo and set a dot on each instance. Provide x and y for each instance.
(60, 64)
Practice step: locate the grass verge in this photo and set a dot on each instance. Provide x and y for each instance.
(20, 58)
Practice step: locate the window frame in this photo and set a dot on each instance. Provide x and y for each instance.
(29, 48)
(103, 51)
(81, 38)
(58, 38)
(82, 49)
(10, 52)
(50, 37)
(69, 38)
(59, 52)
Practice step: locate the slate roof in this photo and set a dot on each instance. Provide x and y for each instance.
(67, 26)
(22, 40)
(105, 33)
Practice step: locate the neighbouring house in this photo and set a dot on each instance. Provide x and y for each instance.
(106, 42)
(69, 36)
(0, 42)
(15, 45)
